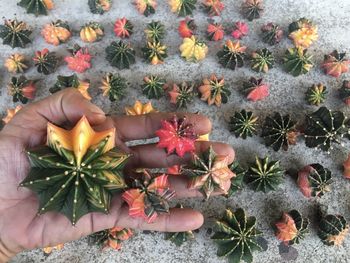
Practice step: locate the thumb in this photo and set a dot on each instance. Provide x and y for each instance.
(30, 123)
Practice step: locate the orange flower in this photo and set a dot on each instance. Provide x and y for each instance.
(11, 113)
(139, 108)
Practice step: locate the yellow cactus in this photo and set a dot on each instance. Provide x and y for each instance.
(91, 32)
(193, 49)
(15, 63)
(139, 109)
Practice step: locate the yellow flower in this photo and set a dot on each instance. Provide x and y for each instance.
(11, 113)
(193, 50)
(16, 63)
(139, 109)
(79, 139)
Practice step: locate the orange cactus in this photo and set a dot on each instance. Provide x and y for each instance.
(335, 64)
(186, 27)
(346, 166)
(146, 7)
(139, 109)
(56, 33)
(80, 59)
(214, 90)
(303, 33)
(215, 32)
(213, 7)
(286, 229)
(11, 113)
(115, 236)
(16, 63)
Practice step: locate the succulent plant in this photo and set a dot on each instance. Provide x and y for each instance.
(279, 131)
(237, 181)
(182, 95)
(153, 86)
(316, 94)
(114, 86)
(213, 7)
(325, 127)
(187, 27)
(291, 228)
(91, 32)
(193, 49)
(177, 136)
(209, 172)
(71, 81)
(77, 172)
(45, 61)
(303, 33)
(56, 32)
(149, 196)
(262, 60)
(344, 92)
(332, 230)
(120, 55)
(139, 108)
(146, 7)
(155, 52)
(252, 9)
(80, 59)
(314, 180)
(111, 238)
(243, 124)
(271, 33)
(232, 55)
(155, 31)
(335, 64)
(36, 7)
(123, 28)
(21, 89)
(255, 89)
(178, 238)
(214, 90)
(346, 163)
(265, 175)
(297, 62)
(240, 30)
(16, 63)
(15, 33)
(99, 6)
(182, 7)
(215, 32)
(11, 113)
(236, 236)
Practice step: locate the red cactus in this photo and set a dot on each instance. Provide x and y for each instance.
(215, 31)
(177, 136)
(186, 27)
(286, 229)
(80, 60)
(240, 30)
(256, 89)
(335, 64)
(123, 28)
(213, 7)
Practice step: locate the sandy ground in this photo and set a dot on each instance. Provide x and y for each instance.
(287, 96)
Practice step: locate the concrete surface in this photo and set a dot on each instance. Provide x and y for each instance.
(287, 95)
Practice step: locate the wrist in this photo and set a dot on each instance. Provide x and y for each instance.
(5, 254)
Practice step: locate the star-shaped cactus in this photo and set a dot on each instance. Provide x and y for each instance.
(214, 90)
(336, 64)
(72, 81)
(316, 94)
(333, 229)
(15, 33)
(271, 33)
(177, 136)
(37, 7)
(324, 128)
(303, 33)
(209, 172)
(232, 55)
(21, 89)
(314, 180)
(181, 95)
(153, 87)
(279, 131)
(120, 55)
(149, 196)
(243, 124)
(77, 172)
(139, 109)
(252, 9)
(297, 61)
(182, 7)
(99, 6)
(146, 7)
(155, 31)
(237, 181)
(262, 60)
(265, 175)
(291, 228)
(236, 236)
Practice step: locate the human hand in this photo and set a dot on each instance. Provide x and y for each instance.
(20, 226)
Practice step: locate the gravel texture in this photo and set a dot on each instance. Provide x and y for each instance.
(287, 96)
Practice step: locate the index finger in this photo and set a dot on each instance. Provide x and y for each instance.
(140, 127)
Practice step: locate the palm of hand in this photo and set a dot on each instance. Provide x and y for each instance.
(21, 227)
